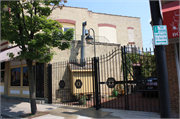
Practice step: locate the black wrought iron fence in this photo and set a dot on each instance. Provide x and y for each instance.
(122, 79)
(141, 87)
(73, 83)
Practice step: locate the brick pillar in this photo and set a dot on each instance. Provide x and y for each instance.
(173, 80)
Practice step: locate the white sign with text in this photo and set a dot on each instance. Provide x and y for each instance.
(160, 35)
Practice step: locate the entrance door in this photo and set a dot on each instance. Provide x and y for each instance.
(40, 80)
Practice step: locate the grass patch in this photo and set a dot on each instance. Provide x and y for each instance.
(29, 115)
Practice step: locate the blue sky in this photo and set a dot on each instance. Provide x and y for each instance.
(134, 8)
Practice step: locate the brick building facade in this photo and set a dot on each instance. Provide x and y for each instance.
(173, 80)
(111, 31)
(170, 10)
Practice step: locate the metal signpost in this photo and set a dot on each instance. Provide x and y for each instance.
(160, 35)
(163, 86)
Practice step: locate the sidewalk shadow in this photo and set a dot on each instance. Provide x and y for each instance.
(78, 112)
(7, 105)
(89, 112)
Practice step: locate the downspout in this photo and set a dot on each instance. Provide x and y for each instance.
(83, 44)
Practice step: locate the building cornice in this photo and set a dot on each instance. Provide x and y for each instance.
(101, 13)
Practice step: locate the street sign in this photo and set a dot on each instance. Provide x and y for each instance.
(160, 35)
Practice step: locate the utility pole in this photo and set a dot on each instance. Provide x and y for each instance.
(163, 86)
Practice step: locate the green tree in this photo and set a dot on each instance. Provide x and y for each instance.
(26, 24)
(146, 61)
(148, 65)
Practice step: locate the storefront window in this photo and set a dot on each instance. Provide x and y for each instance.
(2, 76)
(16, 76)
(25, 76)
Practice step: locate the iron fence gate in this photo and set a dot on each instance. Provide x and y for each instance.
(141, 85)
(110, 77)
(123, 79)
(127, 80)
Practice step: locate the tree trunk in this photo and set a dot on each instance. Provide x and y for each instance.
(31, 86)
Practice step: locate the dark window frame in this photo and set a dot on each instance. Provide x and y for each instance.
(2, 76)
(2, 65)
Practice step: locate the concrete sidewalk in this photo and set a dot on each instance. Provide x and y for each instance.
(14, 108)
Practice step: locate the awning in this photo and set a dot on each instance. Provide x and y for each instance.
(4, 57)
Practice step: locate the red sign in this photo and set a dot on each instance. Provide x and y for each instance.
(171, 20)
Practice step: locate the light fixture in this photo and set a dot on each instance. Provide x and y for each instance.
(89, 39)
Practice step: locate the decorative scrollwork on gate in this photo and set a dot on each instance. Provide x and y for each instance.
(78, 83)
(111, 82)
(62, 84)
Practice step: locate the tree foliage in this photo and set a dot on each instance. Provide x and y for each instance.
(26, 23)
(146, 62)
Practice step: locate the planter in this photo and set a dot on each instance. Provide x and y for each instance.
(82, 101)
(115, 93)
(121, 92)
(88, 96)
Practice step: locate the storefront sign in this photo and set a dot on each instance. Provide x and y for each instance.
(171, 20)
(160, 35)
